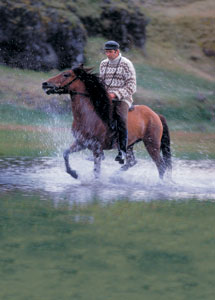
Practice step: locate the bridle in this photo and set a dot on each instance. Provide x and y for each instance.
(73, 93)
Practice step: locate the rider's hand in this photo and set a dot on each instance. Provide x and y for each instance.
(112, 96)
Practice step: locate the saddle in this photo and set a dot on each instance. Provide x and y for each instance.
(132, 107)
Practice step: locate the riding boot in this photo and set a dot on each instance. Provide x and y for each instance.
(122, 146)
(119, 157)
(121, 112)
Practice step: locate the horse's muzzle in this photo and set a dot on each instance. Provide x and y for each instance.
(48, 88)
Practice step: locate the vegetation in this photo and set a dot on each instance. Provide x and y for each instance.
(117, 251)
(174, 77)
(30, 120)
(184, 98)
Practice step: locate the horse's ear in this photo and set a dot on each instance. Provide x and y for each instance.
(89, 70)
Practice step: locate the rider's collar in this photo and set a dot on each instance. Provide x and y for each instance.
(116, 60)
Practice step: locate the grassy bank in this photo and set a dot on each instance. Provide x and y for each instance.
(174, 76)
(31, 121)
(117, 251)
(187, 101)
(30, 132)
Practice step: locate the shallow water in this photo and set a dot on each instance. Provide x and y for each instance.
(47, 176)
(54, 247)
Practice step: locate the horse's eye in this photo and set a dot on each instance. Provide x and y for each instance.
(66, 75)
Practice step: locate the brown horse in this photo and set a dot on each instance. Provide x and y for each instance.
(93, 126)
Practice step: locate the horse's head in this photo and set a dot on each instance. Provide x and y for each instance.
(81, 81)
(59, 84)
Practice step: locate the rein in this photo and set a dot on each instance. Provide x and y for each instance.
(73, 93)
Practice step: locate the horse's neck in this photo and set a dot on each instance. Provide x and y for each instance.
(81, 106)
(79, 100)
(78, 87)
(84, 113)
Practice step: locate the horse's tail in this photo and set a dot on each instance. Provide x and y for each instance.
(165, 144)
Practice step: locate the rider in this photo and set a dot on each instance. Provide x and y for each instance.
(119, 77)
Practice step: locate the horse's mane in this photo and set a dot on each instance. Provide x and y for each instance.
(97, 92)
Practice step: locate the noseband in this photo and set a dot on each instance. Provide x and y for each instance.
(73, 93)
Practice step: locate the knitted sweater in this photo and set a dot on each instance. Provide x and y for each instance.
(119, 77)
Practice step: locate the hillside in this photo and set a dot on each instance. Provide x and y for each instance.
(45, 35)
(181, 34)
(174, 75)
(175, 34)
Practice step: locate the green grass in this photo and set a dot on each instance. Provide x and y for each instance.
(15, 114)
(174, 85)
(124, 250)
(22, 115)
(23, 143)
(35, 132)
(186, 100)
(178, 96)
(30, 132)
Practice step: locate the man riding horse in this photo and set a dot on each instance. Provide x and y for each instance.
(119, 77)
(92, 126)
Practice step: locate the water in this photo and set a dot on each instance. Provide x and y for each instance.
(47, 176)
(111, 238)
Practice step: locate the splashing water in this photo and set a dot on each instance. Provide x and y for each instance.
(191, 179)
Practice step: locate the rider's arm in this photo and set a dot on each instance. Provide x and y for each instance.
(128, 87)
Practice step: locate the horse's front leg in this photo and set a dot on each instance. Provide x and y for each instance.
(97, 154)
(74, 148)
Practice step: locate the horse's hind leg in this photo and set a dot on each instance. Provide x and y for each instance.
(74, 148)
(131, 158)
(153, 149)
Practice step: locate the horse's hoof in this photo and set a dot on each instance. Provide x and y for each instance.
(72, 173)
(133, 163)
(90, 158)
(120, 160)
(125, 167)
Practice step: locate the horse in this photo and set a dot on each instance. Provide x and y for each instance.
(93, 126)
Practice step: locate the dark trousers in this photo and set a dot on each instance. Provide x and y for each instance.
(120, 114)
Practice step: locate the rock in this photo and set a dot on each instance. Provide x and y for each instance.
(39, 36)
(39, 42)
(126, 27)
(209, 52)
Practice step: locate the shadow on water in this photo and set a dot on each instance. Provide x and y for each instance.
(191, 179)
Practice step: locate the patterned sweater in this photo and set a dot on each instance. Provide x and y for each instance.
(119, 77)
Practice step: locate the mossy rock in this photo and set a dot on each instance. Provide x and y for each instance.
(52, 35)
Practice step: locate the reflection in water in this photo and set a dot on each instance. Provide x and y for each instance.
(191, 179)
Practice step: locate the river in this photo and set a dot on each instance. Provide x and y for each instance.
(46, 175)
